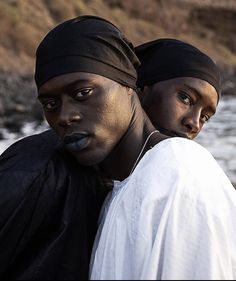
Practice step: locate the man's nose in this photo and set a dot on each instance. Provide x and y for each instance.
(192, 123)
(68, 115)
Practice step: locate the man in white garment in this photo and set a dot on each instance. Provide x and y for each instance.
(171, 214)
(172, 217)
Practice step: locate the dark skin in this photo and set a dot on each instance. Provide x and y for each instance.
(180, 106)
(101, 122)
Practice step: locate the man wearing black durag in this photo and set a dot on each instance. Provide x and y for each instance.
(49, 204)
(180, 86)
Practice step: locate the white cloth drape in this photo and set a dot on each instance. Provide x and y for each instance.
(173, 218)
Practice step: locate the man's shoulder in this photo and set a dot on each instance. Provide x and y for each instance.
(185, 158)
(178, 146)
(181, 165)
(176, 153)
(45, 139)
(30, 153)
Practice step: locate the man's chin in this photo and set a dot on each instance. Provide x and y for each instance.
(171, 133)
(166, 132)
(88, 159)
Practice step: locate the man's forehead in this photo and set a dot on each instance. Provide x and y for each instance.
(69, 80)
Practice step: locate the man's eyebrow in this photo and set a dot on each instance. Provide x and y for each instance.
(193, 90)
(211, 108)
(45, 95)
(65, 88)
(75, 83)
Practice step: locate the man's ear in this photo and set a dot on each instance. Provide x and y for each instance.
(130, 91)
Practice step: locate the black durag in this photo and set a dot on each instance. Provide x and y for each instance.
(168, 58)
(86, 44)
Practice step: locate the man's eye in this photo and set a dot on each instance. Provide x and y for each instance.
(205, 118)
(49, 105)
(83, 94)
(185, 98)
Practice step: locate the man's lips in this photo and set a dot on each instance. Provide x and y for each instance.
(76, 142)
(74, 137)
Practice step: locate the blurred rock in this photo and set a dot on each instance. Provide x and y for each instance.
(229, 81)
(18, 102)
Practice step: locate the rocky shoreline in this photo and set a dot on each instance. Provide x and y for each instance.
(19, 104)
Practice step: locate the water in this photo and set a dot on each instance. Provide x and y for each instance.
(218, 136)
(27, 130)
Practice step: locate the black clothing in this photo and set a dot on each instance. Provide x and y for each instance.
(49, 208)
(86, 44)
(167, 58)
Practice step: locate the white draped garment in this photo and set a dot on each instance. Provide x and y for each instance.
(173, 218)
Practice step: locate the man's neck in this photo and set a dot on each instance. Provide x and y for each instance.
(118, 165)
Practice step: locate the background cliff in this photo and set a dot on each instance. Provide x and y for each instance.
(208, 24)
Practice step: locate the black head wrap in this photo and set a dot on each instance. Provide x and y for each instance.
(165, 59)
(86, 44)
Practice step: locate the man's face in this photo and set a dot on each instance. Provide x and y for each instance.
(180, 106)
(89, 112)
